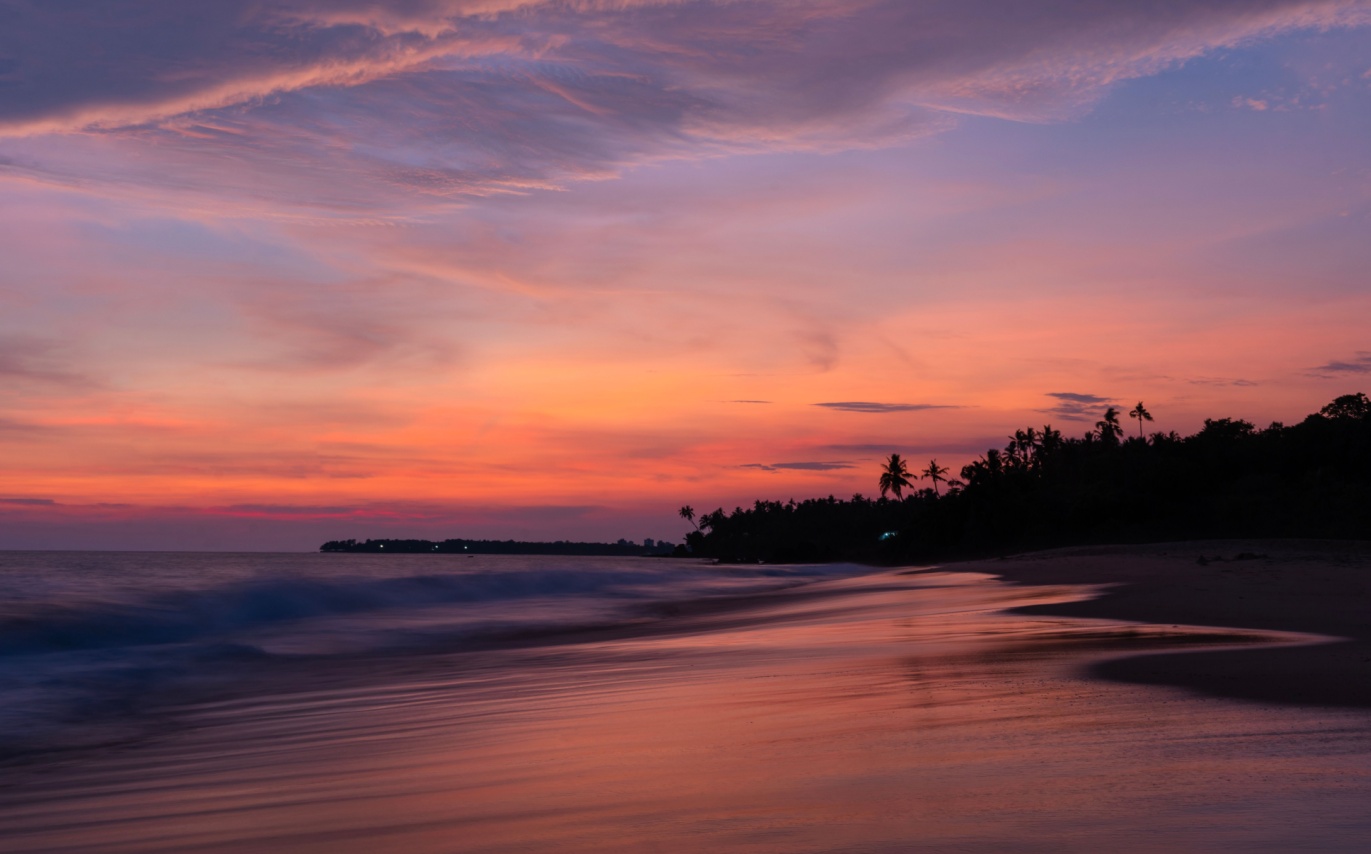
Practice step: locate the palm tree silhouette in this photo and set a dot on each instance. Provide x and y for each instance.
(894, 477)
(1140, 412)
(1109, 428)
(935, 473)
(1049, 441)
(1023, 448)
(688, 514)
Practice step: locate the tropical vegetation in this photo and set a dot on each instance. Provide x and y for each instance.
(1229, 479)
(894, 477)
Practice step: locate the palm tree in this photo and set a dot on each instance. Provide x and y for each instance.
(1109, 428)
(712, 521)
(1023, 448)
(935, 473)
(894, 477)
(1140, 412)
(1049, 441)
(688, 514)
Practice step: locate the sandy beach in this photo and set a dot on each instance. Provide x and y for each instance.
(1314, 587)
(985, 706)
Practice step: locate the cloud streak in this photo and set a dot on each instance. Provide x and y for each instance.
(969, 446)
(800, 466)
(1220, 382)
(469, 99)
(344, 254)
(1360, 364)
(33, 359)
(871, 407)
(1075, 406)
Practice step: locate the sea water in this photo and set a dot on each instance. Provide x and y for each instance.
(90, 640)
(348, 704)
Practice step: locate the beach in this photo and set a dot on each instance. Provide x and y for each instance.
(1314, 587)
(1125, 698)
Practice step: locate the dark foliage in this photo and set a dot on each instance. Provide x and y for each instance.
(820, 529)
(1230, 479)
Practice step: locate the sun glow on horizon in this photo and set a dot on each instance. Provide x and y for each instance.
(547, 271)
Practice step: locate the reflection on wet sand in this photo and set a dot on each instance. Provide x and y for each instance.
(894, 712)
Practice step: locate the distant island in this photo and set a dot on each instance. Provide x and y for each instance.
(622, 548)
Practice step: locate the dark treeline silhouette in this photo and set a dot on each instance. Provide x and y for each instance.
(1230, 479)
(499, 547)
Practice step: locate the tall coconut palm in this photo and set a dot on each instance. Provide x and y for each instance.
(1049, 441)
(688, 514)
(1109, 428)
(1140, 412)
(935, 473)
(894, 477)
(1023, 448)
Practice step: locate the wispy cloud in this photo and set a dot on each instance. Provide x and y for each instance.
(23, 429)
(867, 448)
(30, 502)
(24, 357)
(918, 449)
(1074, 397)
(465, 98)
(873, 407)
(1222, 381)
(1360, 364)
(414, 511)
(324, 511)
(301, 250)
(1075, 406)
(801, 466)
(303, 333)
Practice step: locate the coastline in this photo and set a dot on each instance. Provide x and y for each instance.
(906, 709)
(1315, 587)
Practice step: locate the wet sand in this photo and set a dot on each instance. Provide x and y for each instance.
(902, 711)
(1315, 587)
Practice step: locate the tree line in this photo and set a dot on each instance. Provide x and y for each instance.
(1044, 489)
(623, 548)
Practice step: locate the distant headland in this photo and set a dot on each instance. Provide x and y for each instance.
(1231, 479)
(1044, 490)
(622, 548)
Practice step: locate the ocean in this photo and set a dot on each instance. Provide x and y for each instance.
(347, 703)
(87, 638)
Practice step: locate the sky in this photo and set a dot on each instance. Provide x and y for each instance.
(280, 271)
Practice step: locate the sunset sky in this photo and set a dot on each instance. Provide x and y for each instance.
(280, 271)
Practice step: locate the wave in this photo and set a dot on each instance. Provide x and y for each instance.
(68, 658)
(187, 615)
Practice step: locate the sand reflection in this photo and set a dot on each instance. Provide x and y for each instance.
(895, 712)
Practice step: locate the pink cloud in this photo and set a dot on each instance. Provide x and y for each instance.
(466, 99)
(337, 298)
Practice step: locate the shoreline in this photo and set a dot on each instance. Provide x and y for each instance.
(917, 709)
(1312, 587)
